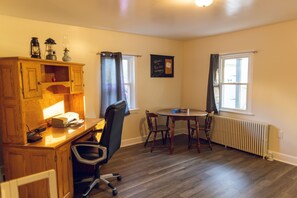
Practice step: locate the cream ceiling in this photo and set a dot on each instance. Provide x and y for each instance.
(176, 19)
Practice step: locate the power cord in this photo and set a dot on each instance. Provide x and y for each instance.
(33, 136)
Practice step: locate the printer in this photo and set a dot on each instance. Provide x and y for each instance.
(65, 120)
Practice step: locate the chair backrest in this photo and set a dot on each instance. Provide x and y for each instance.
(208, 120)
(112, 131)
(151, 119)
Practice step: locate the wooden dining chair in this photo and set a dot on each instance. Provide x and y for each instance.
(154, 127)
(204, 126)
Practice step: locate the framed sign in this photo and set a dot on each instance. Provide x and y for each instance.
(162, 66)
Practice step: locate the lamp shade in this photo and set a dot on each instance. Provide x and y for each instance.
(203, 3)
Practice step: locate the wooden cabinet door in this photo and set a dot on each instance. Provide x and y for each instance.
(10, 110)
(31, 76)
(39, 160)
(76, 73)
(64, 171)
(19, 162)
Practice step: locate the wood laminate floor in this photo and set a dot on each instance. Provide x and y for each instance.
(222, 173)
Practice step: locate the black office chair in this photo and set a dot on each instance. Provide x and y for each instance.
(98, 153)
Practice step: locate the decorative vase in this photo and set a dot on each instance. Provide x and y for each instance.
(66, 57)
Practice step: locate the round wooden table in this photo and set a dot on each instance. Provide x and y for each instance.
(183, 114)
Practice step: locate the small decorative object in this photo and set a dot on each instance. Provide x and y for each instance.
(54, 55)
(34, 47)
(203, 3)
(49, 44)
(66, 56)
(162, 66)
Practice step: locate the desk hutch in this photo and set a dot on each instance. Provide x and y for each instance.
(30, 89)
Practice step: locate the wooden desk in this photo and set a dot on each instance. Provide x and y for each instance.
(28, 98)
(53, 152)
(190, 115)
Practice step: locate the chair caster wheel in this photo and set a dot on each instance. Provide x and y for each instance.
(114, 192)
(119, 178)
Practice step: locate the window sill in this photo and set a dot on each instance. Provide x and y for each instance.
(236, 112)
(134, 111)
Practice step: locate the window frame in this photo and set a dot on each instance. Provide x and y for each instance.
(222, 58)
(131, 60)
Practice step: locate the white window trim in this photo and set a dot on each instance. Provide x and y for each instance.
(131, 77)
(248, 110)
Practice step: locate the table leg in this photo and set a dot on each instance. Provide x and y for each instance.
(189, 135)
(197, 136)
(171, 145)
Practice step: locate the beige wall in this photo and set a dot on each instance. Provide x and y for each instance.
(151, 93)
(274, 97)
(275, 66)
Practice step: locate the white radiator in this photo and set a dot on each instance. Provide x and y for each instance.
(249, 136)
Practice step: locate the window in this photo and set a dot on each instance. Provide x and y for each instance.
(235, 82)
(129, 79)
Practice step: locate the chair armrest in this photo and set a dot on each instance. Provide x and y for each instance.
(98, 130)
(75, 146)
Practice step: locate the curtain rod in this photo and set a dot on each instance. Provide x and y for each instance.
(232, 53)
(136, 55)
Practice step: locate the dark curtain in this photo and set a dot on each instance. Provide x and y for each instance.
(213, 84)
(112, 81)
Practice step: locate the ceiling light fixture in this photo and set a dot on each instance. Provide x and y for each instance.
(203, 3)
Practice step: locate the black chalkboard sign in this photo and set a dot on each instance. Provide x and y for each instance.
(162, 66)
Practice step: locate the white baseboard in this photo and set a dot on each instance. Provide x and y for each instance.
(288, 159)
(132, 141)
(141, 139)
